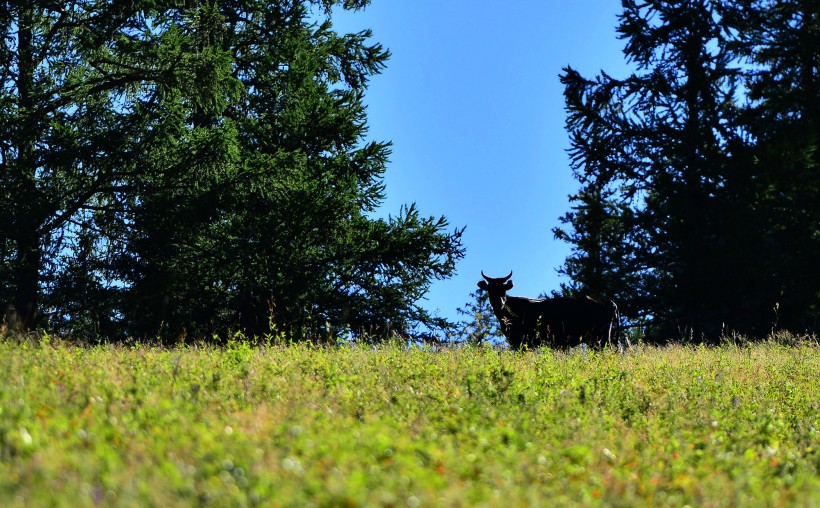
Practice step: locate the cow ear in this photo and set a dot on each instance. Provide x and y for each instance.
(508, 285)
(482, 284)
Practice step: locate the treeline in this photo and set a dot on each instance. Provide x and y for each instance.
(182, 169)
(699, 201)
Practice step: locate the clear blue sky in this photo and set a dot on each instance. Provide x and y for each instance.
(472, 103)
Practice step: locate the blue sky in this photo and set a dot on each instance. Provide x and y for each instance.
(473, 105)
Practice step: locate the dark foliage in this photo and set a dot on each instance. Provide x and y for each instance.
(180, 170)
(699, 207)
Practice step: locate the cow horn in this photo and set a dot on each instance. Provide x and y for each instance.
(503, 279)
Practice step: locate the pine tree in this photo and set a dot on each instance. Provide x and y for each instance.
(661, 152)
(82, 88)
(280, 233)
(479, 325)
(202, 167)
(780, 45)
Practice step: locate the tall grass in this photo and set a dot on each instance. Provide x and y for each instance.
(391, 426)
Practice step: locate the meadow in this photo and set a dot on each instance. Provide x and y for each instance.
(292, 425)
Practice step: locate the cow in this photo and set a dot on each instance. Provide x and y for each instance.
(560, 322)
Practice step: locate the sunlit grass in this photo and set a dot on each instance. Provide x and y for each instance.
(297, 426)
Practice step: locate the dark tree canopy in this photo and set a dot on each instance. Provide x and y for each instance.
(699, 206)
(199, 168)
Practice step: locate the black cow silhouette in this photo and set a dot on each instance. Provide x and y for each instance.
(561, 322)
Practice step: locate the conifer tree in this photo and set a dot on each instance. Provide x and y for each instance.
(280, 234)
(207, 169)
(677, 216)
(84, 85)
(779, 43)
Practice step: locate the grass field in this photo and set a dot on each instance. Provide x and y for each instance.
(391, 426)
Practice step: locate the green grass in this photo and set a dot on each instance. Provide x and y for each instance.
(388, 426)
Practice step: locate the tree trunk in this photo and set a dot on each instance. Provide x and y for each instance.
(29, 254)
(27, 279)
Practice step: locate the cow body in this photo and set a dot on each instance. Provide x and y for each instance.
(560, 322)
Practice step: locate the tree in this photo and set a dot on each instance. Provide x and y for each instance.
(223, 179)
(479, 325)
(83, 86)
(671, 192)
(282, 234)
(779, 43)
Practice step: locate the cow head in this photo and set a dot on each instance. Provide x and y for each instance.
(496, 287)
